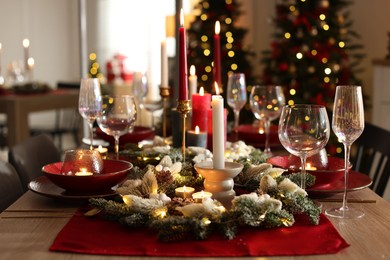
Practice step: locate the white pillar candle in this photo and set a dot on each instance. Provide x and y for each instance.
(218, 130)
(193, 81)
(164, 64)
(26, 45)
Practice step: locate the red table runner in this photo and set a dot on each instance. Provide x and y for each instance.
(103, 237)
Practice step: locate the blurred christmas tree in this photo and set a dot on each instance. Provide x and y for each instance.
(94, 67)
(234, 56)
(312, 52)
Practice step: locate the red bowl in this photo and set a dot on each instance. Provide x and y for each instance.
(114, 172)
(140, 133)
(334, 172)
(250, 135)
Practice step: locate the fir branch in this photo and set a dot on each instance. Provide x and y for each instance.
(298, 204)
(135, 220)
(111, 207)
(178, 227)
(296, 178)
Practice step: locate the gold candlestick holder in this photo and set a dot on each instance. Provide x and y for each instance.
(164, 93)
(184, 107)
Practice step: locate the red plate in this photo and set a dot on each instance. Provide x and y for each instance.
(334, 172)
(334, 163)
(140, 133)
(356, 181)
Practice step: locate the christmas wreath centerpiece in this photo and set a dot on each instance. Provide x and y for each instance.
(270, 198)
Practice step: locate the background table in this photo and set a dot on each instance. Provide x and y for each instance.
(23, 236)
(18, 107)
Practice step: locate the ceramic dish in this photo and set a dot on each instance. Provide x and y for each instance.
(114, 172)
(43, 186)
(356, 181)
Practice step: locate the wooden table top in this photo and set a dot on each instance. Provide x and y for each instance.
(26, 235)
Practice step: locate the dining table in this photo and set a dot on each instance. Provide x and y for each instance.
(17, 108)
(30, 225)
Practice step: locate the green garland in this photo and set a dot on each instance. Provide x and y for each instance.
(149, 200)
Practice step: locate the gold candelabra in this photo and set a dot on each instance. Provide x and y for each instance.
(184, 107)
(164, 92)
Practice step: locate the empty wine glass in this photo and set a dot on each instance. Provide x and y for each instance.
(304, 131)
(117, 117)
(90, 102)
(266, 103)
(348, 125)
(139, 87)
(152, 106)
(236, 95)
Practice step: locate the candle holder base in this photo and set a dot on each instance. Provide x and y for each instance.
(220, 181)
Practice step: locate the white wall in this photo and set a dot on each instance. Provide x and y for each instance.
(51, 26)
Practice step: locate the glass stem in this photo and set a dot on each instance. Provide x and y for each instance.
(267, 124)
(236, 119)
(91, 134)
(347, 148)
(116, 146)
(303, 171)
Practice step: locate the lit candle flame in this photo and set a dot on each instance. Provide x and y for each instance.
(197, 130)
(216, 88)
(26, 43)
(30, 62)
(217, 27)
(192, 70)
(201, 91)
(181, 18)
(83, 172)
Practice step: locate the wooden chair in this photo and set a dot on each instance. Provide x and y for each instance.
(10, 185)
(371, 156)
(28, 157)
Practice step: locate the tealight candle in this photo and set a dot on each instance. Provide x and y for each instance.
(200, 196)
(196, 138)
(184, 192)
(102, 151)
(309, 167)
(83, 172)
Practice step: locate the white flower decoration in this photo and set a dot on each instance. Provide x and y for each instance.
(290, 187)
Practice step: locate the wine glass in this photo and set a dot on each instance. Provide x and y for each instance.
(152, 106)
(139, 87)
(90, 102)
(266, 103)
(117, 117)
(236, 95)
(303, 131)
(348, 125)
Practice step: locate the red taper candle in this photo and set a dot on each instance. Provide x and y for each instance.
(183, 78)
(217, 55)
